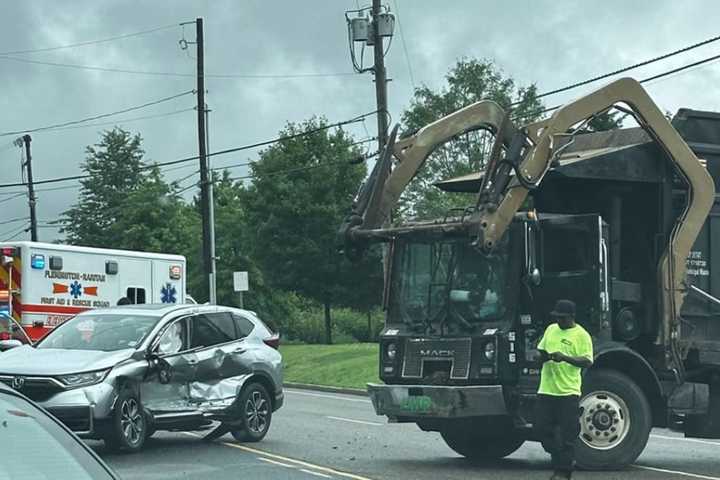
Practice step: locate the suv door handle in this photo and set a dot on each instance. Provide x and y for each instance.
(192, 361)
(239, 350)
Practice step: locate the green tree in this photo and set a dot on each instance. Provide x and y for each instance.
(300, 192)
(123, 204)
(469, 81)
(114, 168)
(154, 218)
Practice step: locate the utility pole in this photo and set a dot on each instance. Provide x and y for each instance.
(202, 153)
(27, 165)
(211, 202)
(380, 75)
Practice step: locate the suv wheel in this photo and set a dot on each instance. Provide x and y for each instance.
(256, 413)
(129, 427)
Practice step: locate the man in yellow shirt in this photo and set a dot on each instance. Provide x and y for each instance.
(565, 349)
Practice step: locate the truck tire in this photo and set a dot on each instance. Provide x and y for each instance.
(478, 445)
(615, 421)
(256, 414)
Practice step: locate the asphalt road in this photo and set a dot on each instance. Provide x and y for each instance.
(320, 435)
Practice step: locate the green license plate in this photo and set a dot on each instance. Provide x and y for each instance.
(417, 404)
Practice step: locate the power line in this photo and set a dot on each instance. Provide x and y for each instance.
(195, 157)
(631, 67)
(263, 76)
(13, 197)
(245, 164)
(91, 42)
(124, 120)
(14, 233)
(644, 80)
(97, 117)
(14, 220)
(404, 45)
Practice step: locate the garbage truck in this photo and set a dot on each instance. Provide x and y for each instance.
(625, 223)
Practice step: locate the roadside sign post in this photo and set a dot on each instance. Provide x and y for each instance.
(240, 284)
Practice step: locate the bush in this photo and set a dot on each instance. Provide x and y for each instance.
(299, 319)
(360, 326)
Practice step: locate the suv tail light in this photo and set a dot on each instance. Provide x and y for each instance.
(273, 341)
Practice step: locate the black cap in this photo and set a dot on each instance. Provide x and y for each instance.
(564, 308)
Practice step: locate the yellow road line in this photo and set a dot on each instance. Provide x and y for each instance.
(319, 468)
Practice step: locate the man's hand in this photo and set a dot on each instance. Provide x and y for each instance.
(544, 356)
(557, 357)
(580, 362)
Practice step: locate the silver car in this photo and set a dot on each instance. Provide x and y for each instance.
(122, 373)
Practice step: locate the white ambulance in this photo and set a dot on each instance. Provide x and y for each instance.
(43, 284)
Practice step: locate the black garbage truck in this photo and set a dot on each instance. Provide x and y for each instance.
(624, 222)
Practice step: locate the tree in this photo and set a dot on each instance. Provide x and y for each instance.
(113, 166)
(469, 81)
(154, 218)
(123, 204)
(301, 190)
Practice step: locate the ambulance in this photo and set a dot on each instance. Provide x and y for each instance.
(43, 284)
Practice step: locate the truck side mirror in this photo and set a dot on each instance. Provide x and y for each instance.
(531, 263)
(535, 277)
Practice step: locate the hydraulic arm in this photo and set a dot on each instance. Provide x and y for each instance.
(518, 163)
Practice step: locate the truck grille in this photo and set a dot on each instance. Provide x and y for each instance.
(38, 389)
(456, 351)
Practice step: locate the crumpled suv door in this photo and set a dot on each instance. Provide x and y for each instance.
(224, 362)
(167, 384)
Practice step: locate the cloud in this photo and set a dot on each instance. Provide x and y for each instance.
(550, 43)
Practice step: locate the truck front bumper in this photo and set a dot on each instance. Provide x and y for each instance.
(426, 401)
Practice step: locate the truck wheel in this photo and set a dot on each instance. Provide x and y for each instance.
(615, 421)
(129, 426)
(256, 414)
(479, 446)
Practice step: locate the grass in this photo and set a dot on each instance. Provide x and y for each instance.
(348, 366)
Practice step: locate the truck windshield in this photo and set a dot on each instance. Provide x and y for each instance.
(446, 282)
(106, 332)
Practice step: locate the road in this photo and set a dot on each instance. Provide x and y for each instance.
(320, 435)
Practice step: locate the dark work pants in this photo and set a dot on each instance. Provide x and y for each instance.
(557, 425)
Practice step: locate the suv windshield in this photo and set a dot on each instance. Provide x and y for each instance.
(447, 281)
(106, 332)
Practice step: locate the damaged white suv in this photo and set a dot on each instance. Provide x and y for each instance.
(120, 374)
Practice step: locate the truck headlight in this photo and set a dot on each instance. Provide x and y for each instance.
(391, 351)
(490, 350)
(83, 379)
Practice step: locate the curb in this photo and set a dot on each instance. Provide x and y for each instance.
(325, 388)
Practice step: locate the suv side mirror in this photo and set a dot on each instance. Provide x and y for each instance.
(9, 344)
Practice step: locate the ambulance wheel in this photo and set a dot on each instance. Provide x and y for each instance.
(615, 421)
(129, 427)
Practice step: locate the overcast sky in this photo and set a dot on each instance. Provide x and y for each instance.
(551, 43)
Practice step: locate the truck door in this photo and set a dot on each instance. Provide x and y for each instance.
(573, 265)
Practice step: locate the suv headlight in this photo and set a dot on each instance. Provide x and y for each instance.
(391, 351)
(83, 379)
(490, 350)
